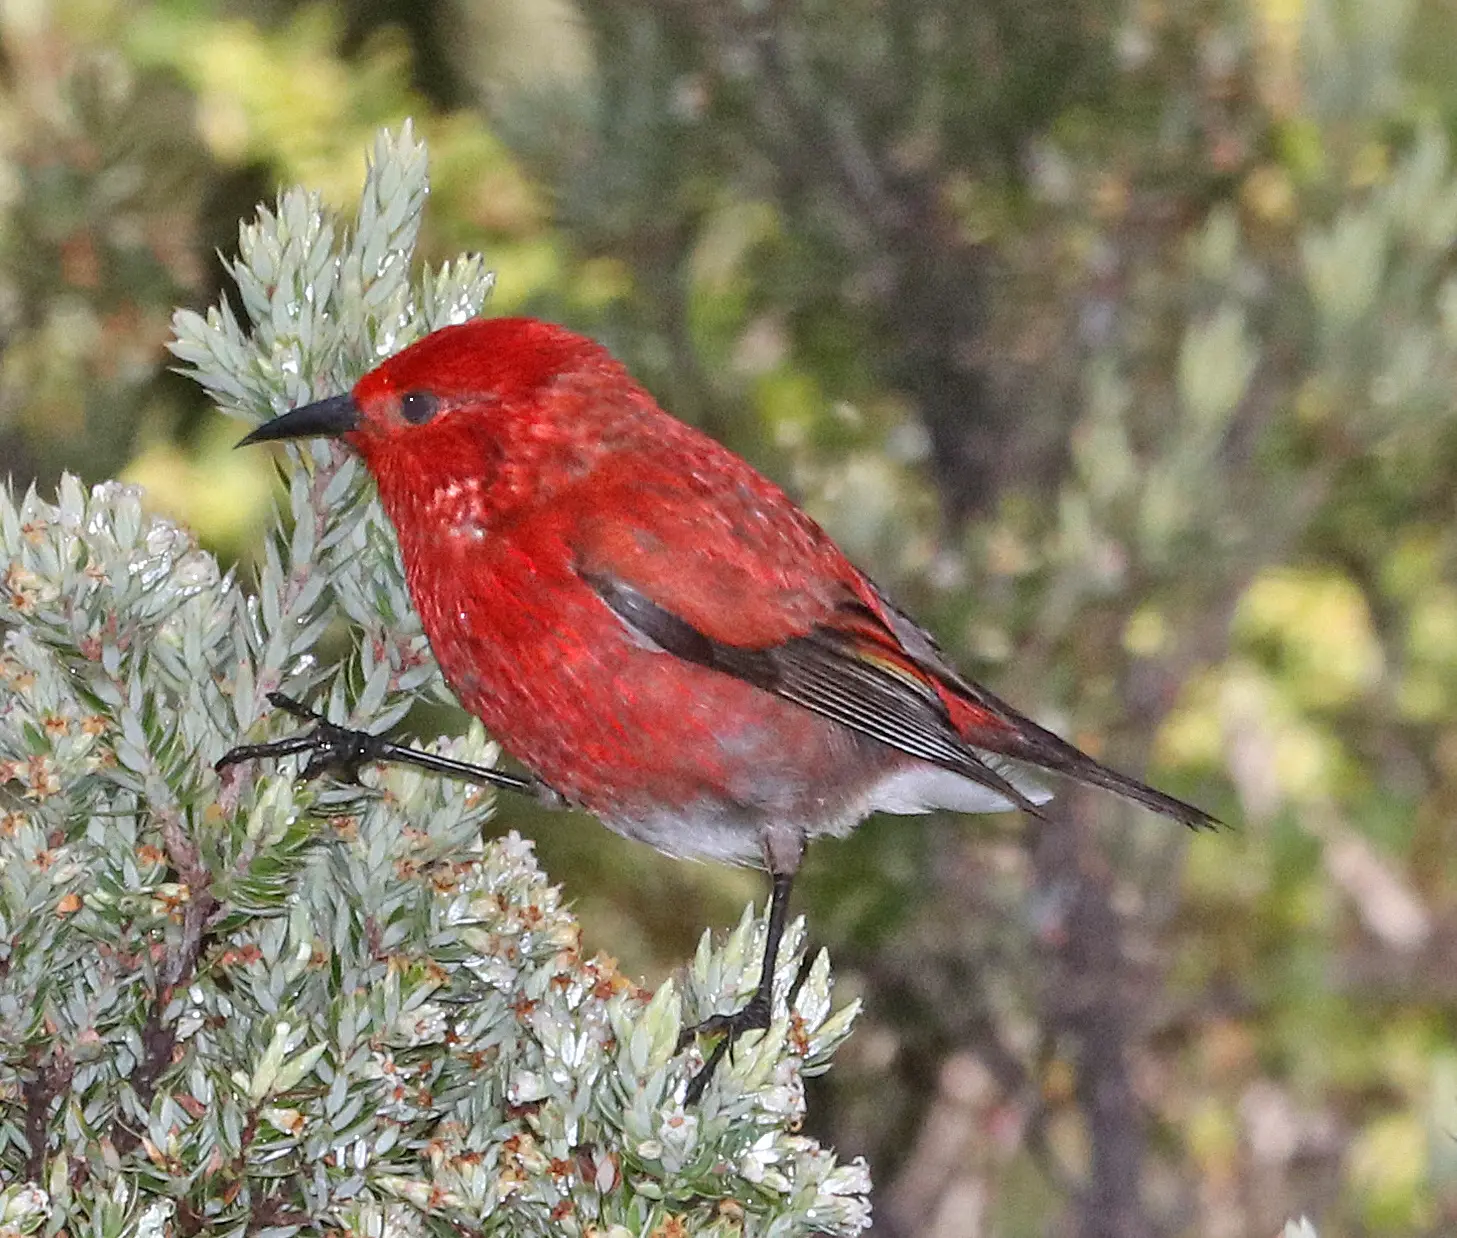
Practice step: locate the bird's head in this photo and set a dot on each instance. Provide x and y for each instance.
(486, 401)
(454, 376)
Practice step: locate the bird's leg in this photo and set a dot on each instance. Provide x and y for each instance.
(331, 746)
(755, 1015)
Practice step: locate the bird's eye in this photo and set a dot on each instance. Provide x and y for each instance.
(417, 407)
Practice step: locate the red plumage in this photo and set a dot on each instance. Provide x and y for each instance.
(653, 628)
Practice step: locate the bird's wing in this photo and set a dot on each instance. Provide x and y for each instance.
(752, 588)
(741, 581)
(874, 691)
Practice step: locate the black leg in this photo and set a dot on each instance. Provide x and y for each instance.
(755, 1016)
(338, 748)
(805, 965)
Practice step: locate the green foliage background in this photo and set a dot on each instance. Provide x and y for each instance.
(1117, 339)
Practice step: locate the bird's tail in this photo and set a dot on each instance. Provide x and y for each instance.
(1021, 739)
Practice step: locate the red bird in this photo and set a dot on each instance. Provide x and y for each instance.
(654, 629)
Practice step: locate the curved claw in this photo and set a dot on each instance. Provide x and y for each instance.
(297, 708)
(753, 1017)
(344, 750)
(329, 745)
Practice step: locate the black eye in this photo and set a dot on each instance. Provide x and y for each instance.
(417, 407)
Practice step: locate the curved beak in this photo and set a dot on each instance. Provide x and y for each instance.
(322, 419)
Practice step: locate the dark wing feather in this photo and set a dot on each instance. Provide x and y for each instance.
(872, 689)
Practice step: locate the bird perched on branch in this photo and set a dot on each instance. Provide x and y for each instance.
(652, 628)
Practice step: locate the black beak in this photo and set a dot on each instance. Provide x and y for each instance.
(322, 419)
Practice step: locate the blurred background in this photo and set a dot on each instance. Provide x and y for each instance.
(1116, 338)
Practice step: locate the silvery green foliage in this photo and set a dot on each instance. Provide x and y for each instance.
(249, 1004)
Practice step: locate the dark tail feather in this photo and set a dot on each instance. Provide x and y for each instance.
(1034, 745)
(1078, 765)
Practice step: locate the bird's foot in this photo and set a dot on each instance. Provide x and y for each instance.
(331, 747)
(344, 750)
(754, 1017)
